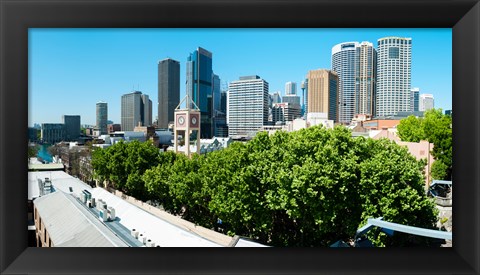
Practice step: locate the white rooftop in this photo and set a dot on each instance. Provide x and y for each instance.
(70, 224)
(60, 181)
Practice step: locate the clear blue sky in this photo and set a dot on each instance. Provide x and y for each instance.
(72, 69)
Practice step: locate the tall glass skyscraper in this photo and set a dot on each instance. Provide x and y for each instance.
(102, 116)
(248, 105)
(200, 88)
(394, 75)
(365, 79)
(168, 90)
(343, 63)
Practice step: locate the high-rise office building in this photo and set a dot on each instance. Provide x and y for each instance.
(102, 116)
(393, 75)
(323, 93)
(365, 79)
(248, 106)
(343, 63)
(52, 132)
(426, 102)
(136, 110)
(200, 87)
(168, 90)
(414, 99)
(290, 88)
(72, 127)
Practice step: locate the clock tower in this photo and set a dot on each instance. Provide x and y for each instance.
(187, 121)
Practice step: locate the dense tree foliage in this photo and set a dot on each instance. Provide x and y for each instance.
(306, 188)
(437, 129)
(123, 164)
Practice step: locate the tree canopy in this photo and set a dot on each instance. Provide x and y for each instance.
(306, 188)
(435, 127)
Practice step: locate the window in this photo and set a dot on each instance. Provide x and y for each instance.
(393, 52)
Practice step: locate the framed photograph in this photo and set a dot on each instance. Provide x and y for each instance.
(21, 19)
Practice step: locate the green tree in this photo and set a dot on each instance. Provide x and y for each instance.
(437, 129)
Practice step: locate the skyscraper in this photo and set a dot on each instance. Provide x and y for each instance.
(147, 110)
(168, 90)
(343, 63)
(72, 127)
(323, 93)
(393, 75)
(102, 116)
(290, 88)
(136, 108)
(304, 98)
(200, 88)
(426, 102)
(414, 100)
(248, 105)
(365, 79)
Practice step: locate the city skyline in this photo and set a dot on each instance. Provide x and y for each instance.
(111, 62)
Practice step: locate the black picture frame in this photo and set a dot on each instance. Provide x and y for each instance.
(18, 15)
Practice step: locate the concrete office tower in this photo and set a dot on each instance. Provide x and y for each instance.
(102, 116)
(393, 75)
(323, 93)
(200, 88)
(136, 108)
(248, 105)
(426, 102)
(72, 127)
(168, 90)
(365, 78)
(276, 97)
(290, 88)
(343, 63)
(414, 99)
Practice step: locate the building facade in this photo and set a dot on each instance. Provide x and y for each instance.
(200, 87)
(292, 99)
(343, 63)
(323, 93)
(72, 127)
(168, 91)
(52, 132)
(426, 102)
(365, 79)
(136, 109)
(393, 75)
(284, 112)
(248, 105)
(102, 116)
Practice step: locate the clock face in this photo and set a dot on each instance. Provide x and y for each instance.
(194, 120)
(181, 120)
